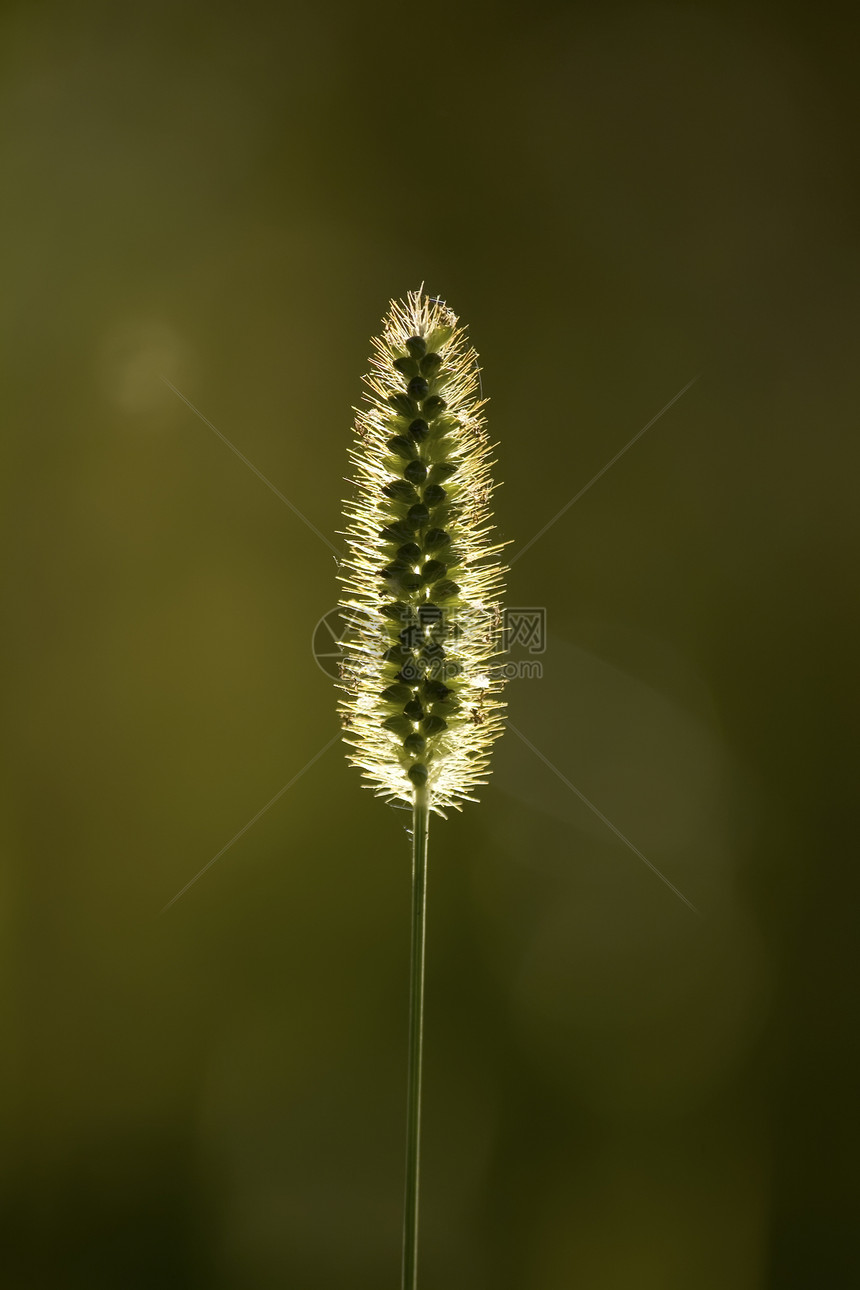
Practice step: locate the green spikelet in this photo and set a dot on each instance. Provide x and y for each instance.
(422, 578)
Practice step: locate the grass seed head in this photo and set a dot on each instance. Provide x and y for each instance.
(422, 577)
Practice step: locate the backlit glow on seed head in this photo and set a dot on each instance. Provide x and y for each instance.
(422, 578)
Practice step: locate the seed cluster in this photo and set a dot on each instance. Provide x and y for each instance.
(422, 578)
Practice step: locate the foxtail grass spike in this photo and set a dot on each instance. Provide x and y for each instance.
(422, 577)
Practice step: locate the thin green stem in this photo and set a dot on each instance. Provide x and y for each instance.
(420, 830)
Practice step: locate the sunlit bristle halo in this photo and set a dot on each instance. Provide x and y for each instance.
(422, 578)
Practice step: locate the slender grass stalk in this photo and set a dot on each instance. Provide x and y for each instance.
(420, 832)
(422, 584)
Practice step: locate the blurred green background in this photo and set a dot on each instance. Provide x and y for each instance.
(618, 1093)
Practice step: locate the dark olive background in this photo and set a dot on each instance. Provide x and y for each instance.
(618, 1092)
